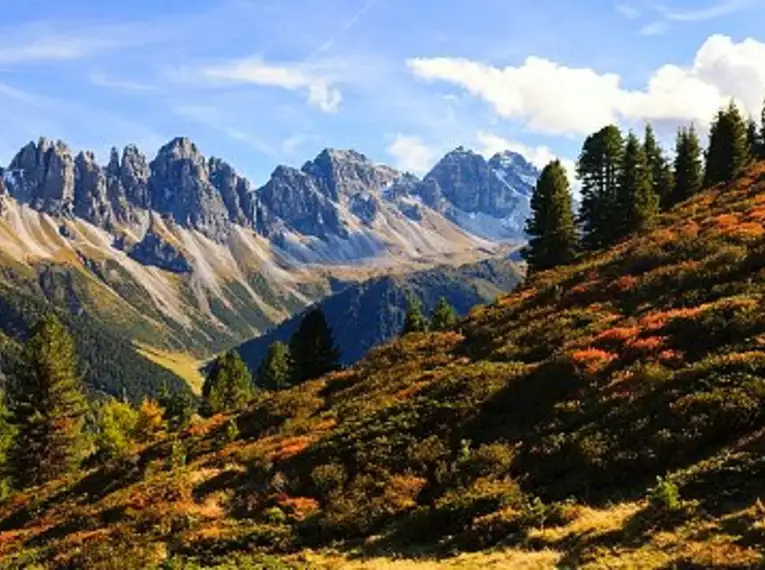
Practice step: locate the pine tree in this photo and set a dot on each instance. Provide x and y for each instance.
(117, 429)
(444, 316)
(637, 204)
(688, 166)
(551, 226)
(753, 138)
(661, 172)
(48, 407)
(598, 168)
(8, 434)
(275, 371)
(414, 321)
(313, 349)
(228, 385)
(177, 409)
(761, 147)
(728, 151)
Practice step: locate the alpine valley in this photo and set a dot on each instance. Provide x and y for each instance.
(176, 258)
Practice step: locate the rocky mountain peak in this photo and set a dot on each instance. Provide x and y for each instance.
(42, 175)
(342, 174)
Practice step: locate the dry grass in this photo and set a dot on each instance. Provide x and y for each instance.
(182, 365)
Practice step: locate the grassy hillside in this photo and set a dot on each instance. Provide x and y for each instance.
(365, 315)
(535, 434)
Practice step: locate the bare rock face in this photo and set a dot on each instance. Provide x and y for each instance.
(43, 176)
(134, 176)
(156, 251)
(235, 191)
(180, 187)
(343, 174)
(91, 196)
(295, 199)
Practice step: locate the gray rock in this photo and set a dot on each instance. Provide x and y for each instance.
(342, 174)
(154, 250)
(294, 199)
(42, 175)
(91, 197)
(180, 187)
(235, 191)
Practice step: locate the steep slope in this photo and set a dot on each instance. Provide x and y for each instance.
(542, 426)
(366, 315)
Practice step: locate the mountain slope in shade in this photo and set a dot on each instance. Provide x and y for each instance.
(366, 315)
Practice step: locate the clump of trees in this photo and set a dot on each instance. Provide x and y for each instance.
(626, 182)
(442, 318)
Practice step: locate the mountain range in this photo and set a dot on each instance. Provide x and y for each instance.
(183, 254)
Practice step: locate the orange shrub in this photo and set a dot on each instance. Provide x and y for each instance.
(657, 319)
(298, 507)
(647, 345)
(624, 283)
(593, 359)
(617, 334)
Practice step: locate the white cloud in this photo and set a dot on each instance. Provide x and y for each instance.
(412, 154)
(713, 11)
(628, 11)
(321, 93)
(539, 156)
(655, 28)
(551, 98)
(103, 80)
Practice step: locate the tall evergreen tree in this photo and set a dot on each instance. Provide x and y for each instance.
(48, 407)
(688, 167)
(415, 320)
(228, 385)
(313, 348)
(275, 371)
(761, 146)
(551, 226)
(598, 169)
(8, 434)
(444, 316)
(637, 204)
(728, 151)
(753, 138)
(661, 172)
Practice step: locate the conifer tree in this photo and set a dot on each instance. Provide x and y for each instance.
(637, 204)
(728, 151)
(761, 146)
(313, 348)
(8, 435)
(551, 226)
(228, 385)
(177, 408)
(753, 138)
(688, 165)
(48, 407)
(661, 172)
(275, 371)
(415, 320)
(598, 169)
(444, 316)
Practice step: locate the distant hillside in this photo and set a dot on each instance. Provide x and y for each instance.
(366, 315)
(607, 414)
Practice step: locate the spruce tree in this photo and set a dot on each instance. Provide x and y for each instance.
(48, 407)
(551, 226)
(275, 371)
(753, 138)
(444, 316)
(637, 204)
(688, 165)
(228, 385)
(415, 320)
(8, 434)
(598, 169)
(761, 146)
(728, 151)
(661, 172)
(313, 348)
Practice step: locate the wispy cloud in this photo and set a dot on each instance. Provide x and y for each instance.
(655, 28)
(103, 80)
(254, 71)
(412, 154)
(211, 117)
(40, 41)
(713, 11)
(344, 29)
(628, 11)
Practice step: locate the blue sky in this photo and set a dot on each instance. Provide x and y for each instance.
(262, 82)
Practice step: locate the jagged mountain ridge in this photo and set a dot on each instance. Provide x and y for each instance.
(338, 194)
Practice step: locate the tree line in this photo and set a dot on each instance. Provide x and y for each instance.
(626, 182)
